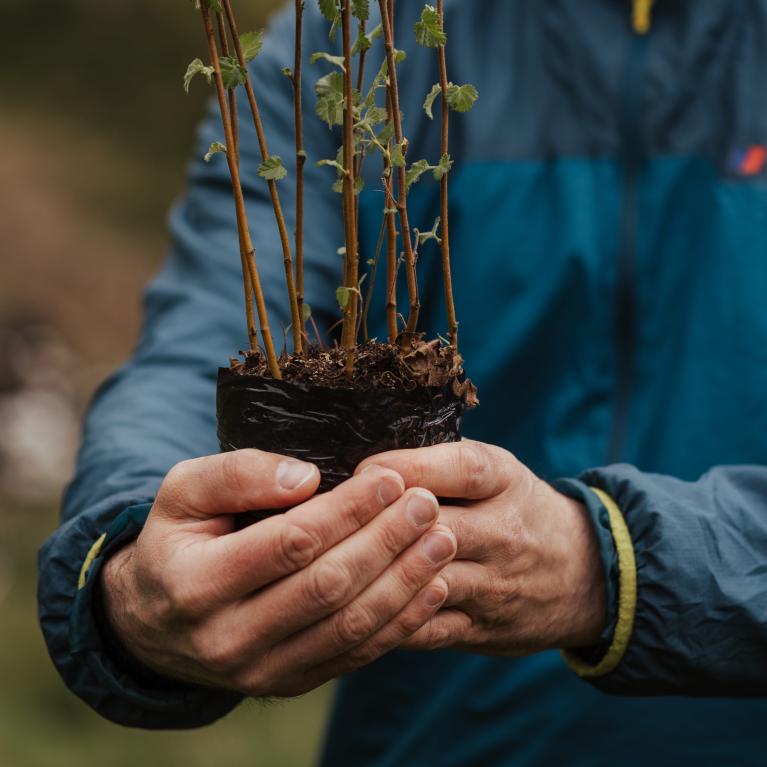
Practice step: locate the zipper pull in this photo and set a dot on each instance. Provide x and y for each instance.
(641, 17)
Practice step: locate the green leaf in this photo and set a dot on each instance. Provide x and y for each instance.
(330, 9)
(386, 133)
(337, 61)
(427, 29)
(330, 109)
(365, 41)
(338, 186)
(215, 148)
(333, 164)
(415, 171)
(251, 43)
(375, 115)
(461, 97)
(343, 296)
(333, 82)
(197, 67)
(443, 168)
(428, 105)
(361, 9)
(307, 311)
(232, 73)
(272, 169)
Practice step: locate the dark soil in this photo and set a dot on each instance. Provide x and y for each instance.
(377, 366)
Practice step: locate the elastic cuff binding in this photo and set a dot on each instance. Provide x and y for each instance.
(627, 596)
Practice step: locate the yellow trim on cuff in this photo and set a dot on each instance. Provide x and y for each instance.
(627, 595)
(641, 16)
(92, 554)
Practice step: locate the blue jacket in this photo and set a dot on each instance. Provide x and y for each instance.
(609, 231)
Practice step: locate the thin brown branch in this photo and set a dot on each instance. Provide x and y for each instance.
(247, 252)
(283, 231)
(349, 334)
(452, 322)
(410, 268)
(224, 41)
(300, 162)
(372, 281)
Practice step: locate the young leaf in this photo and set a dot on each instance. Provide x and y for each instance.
(272, 169)
(342, 296)
(461, 97)
(333, 82)
(333, 164)
(232, 73)
(361, 9)
(365, 41)
(427, 31)
(428, 105)
(415, 171)
(215, 148)
(443, 168)
(197, 68)
(251, 43)
(398, 156)
(336, 61)
(307, 311)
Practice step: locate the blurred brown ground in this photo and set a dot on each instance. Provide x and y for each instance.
(89, 164)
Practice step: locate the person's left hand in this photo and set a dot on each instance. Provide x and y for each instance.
(527, 575)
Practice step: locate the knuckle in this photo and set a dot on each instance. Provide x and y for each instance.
(297, 547)
(180, 600)
(390, 539)
(233, 474)
(218, 653)
(474, 466)
(329, 584)
(173, 486)
(363, 654)
(354, 625)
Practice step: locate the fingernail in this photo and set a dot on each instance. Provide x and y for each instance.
(434, 597)
(422, 508)
(438, 547)
(292, 474)
(388, 491)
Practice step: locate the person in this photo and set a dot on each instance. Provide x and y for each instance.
(610, 261)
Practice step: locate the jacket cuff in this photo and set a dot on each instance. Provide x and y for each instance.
(91, 659)
(619, 565)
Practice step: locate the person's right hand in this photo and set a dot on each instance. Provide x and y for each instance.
(283, 606)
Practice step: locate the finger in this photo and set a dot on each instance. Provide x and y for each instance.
(375, 607)
(334, 580)
(230, 483)
(467, 582)
(418, 612)
(247, 560)
(448, 628)
(465, 469)
(472, 531)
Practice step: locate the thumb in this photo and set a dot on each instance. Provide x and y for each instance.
(230, 483)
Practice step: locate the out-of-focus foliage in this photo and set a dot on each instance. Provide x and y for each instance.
(95, 136)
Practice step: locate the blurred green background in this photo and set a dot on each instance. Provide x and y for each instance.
(95, 135)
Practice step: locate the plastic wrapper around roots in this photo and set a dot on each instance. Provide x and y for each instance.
(334, 428)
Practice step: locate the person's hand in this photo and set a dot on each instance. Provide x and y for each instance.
(527, 575)
(283, 606)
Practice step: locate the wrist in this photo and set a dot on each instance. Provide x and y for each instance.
(115, 595)
(585, 612)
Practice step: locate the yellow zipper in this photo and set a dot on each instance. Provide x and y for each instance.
(641, 17)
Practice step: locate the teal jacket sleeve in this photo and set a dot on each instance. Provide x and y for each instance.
(692, 566)
(159, 409)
